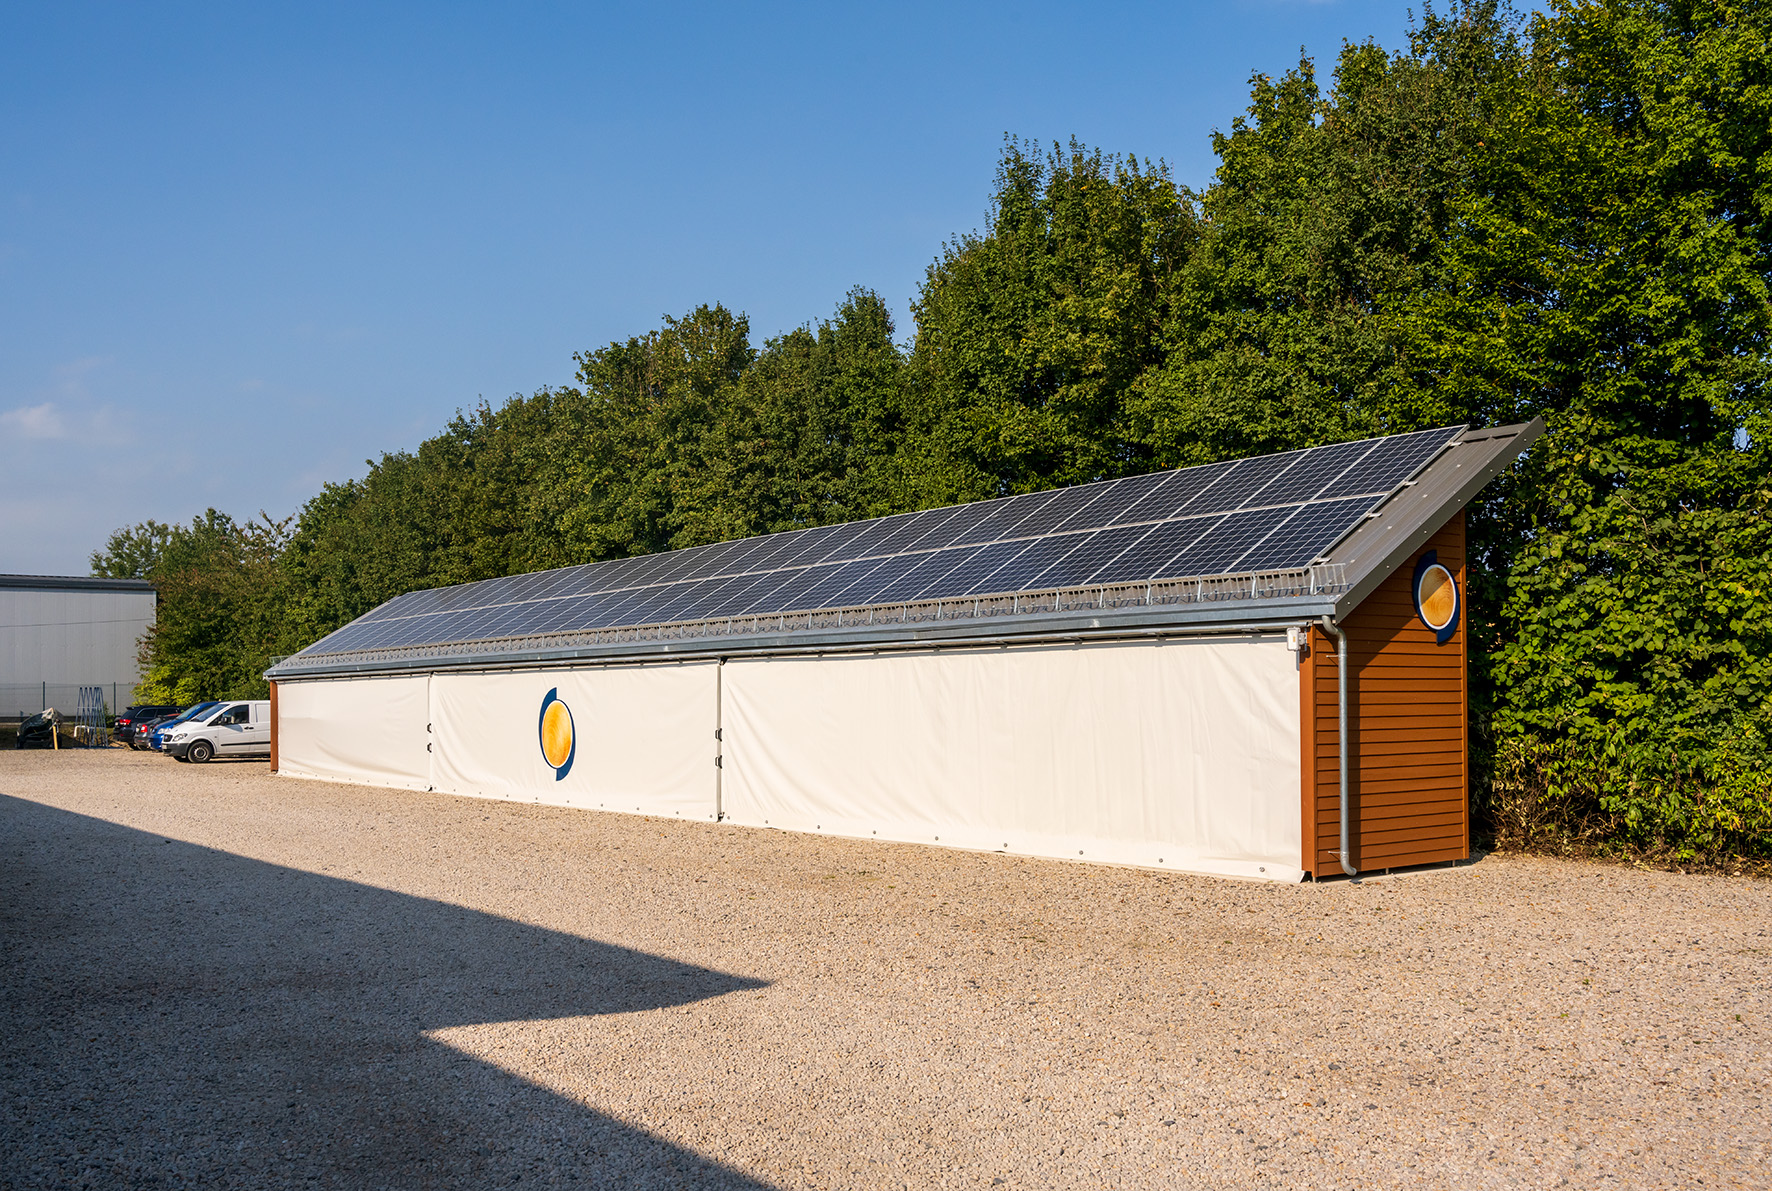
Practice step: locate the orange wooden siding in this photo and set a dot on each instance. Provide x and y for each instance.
(1407, 717)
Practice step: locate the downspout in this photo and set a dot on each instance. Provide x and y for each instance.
(1329, 627)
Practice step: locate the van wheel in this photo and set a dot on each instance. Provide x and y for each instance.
(200, 751)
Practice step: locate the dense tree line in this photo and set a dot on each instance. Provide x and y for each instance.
(1563, 215)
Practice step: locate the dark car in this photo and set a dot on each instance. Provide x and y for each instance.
(142, 728)
(137, 713)
(157, 733)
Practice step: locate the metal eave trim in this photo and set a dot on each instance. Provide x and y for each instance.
(1227, 616)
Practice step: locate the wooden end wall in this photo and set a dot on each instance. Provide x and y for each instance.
(1409, 775)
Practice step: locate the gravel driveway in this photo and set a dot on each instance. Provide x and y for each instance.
(214, 977)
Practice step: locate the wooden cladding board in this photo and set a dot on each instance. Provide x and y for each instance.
(1409, 769)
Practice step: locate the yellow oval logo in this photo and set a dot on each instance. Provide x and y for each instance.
(1436, 597)
(1438, 602)
(557, 744)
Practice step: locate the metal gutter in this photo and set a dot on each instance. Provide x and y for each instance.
(1334, 630)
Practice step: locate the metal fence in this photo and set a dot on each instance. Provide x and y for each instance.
(18, 700)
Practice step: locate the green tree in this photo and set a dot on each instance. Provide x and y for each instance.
(1033, 337)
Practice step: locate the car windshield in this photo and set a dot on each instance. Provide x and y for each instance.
(192, 713)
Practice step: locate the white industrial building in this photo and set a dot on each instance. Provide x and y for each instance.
(59, 633)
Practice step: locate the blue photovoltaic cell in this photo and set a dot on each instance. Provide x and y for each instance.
(1391, 461)
(918, 572)
(840, 546)
(1311, 474)
(620, 608)
(1311, 531)
(974, 570)
(1019, 573)
(921, 526)
(712, 560)
(1065, 503)
(1110, 501)
(806, 542)
(1165, 500)
(877, 540)
(613, 575)
(829, 591)
(785, 596)
(695, 597)
(950, 530)
(1218, 549)
(733, 600)
(1148, 556)
(1000, 525)
(1095, 551)
(1240, 483)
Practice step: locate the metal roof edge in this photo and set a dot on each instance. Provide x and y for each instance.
(1400, 526)
(1272, 613)
(73, 583)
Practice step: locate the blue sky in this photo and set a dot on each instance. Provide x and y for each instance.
(245, 248)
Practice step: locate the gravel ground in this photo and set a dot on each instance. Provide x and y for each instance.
(214, 977)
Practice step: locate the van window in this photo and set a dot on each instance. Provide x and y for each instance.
(233, 715)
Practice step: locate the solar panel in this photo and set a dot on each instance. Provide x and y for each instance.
(836, 547)
(949, 531)
(1216, 551)
(1303, 538)
(828, 593)
(1269, 513)
(1019, 573)
(973, 571)
(1235, 487)
(1390, 462)
(1090, 555)
(925, 570)
(1064, 504)
(1146, 558)
(1166, 499)
(1001, 522)
(784, 596)
(1316, 470)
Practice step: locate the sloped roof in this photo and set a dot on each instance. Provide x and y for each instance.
(1266, 540)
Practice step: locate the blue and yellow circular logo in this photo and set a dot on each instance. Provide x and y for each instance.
(557, 744)
(1436, 597)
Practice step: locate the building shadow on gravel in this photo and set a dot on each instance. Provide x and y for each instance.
(177, 1016)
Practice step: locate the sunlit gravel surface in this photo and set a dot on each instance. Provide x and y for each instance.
(214, 977)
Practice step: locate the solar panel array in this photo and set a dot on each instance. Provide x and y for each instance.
(1271, 512)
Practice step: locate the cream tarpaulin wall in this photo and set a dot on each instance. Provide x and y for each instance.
(642, 737)
(356, 729)
(1182, 753)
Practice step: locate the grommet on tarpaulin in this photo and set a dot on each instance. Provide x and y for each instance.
(1437, 598)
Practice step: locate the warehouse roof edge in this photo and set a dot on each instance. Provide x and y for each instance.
(1341, 548)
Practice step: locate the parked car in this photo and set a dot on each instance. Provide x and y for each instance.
(124, 727)
(141, 734)
(157, 734)
(232, 730)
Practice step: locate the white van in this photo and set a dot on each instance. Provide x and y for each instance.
(229, 730)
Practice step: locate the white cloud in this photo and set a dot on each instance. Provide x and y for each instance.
(34, 421)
